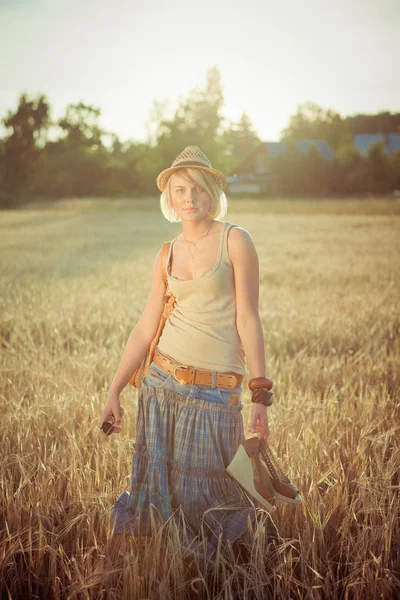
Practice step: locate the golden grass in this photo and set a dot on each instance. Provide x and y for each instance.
(74, 279)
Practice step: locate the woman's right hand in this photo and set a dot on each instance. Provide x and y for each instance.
(112, 412)
(259, 421)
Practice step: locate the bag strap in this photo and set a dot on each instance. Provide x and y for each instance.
(165, 250)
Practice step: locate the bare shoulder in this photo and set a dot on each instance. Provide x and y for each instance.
(159, 261)
(240, 245)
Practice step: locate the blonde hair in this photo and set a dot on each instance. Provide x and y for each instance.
(219, 203)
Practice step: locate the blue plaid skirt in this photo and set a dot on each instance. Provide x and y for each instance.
(186, 435)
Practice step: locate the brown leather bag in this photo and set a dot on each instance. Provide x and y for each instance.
(169, 303)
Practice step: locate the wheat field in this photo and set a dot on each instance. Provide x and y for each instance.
(74, 280)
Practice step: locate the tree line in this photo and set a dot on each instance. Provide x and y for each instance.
(75, 156)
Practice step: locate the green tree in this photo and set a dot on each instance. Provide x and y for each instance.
(76, 163)
(240, 141)
(196, 122)
(383, 122)
(380, 174)
(395, 165)
(287, 168)
(349, 169)
(81, 127)
(21, 149)
(313, 122)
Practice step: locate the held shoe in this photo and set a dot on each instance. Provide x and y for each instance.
(251, 473)
(283, 488)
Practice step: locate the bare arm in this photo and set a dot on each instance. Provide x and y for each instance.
(141, 336)
(243, 255)
(244, 258)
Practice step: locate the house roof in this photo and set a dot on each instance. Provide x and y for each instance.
(391, 141)
(321, 145)
(275, 148)
(362, 142)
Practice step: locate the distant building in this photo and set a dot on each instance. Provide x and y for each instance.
(253, 176)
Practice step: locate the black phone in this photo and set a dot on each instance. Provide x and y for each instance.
(108, 426)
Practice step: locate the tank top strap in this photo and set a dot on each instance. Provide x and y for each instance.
(225, 254)
(169, 252)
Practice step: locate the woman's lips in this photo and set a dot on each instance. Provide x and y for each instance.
(190, 209)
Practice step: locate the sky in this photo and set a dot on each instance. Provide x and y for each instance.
(122, 56)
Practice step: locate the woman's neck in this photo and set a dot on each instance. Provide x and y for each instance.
(192, 230)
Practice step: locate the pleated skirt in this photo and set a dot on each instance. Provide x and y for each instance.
(186, 435)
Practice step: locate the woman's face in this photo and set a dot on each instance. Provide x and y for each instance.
(190, 201)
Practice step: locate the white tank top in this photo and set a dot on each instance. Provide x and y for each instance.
(201, 332)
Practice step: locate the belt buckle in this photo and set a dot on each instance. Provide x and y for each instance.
(174, 373)
(230, 385)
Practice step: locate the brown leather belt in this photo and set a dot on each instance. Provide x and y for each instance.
(187, 375)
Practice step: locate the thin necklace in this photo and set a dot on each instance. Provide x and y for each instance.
(194, 243)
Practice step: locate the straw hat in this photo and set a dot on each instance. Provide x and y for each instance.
(192, 157)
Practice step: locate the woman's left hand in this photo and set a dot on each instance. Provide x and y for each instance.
(259, 421)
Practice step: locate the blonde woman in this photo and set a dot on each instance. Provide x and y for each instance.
(189, 420)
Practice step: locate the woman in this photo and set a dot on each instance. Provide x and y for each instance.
(189, 421)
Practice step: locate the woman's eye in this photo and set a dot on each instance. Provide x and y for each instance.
(197, 189)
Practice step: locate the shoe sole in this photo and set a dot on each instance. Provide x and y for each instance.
(297, 500)
(241, 469)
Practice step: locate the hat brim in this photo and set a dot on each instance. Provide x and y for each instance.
(163, 177)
